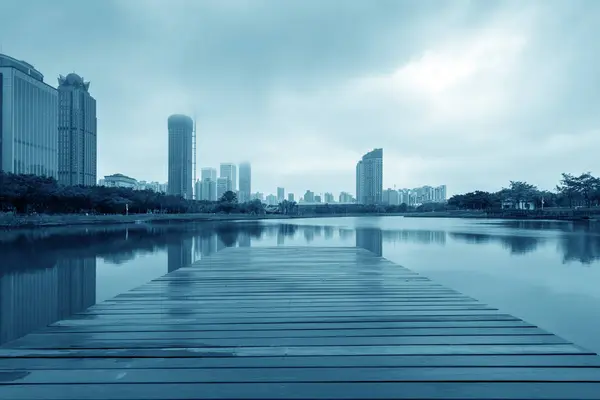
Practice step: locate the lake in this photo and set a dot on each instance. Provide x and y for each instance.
(546, 272)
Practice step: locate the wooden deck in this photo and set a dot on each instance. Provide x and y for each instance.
(285, 322)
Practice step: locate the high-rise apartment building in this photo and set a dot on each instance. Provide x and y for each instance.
(223, 184)
(229, 171)
(181, 129)
(208, 189)
(208, 173)
(77, 139)
(207, 186)
(369, 178)
(346, 198)
(28, 120)
(290, 197)
(391, 197)
(245, 182)
(280, 194)
(360, 180)
(309, 197)
(328, 198)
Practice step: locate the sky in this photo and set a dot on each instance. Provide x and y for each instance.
(471, 94)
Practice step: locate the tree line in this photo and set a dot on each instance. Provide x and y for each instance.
(26, 194)
(572, 191)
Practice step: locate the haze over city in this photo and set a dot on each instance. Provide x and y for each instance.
(463, 93)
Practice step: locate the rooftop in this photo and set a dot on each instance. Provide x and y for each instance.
(73, 80)
(25, 67)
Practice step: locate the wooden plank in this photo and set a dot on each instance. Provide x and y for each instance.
(51, 342)
(126, 320)
(291, 327)
(278, 306)
(292, 311)
(280, 351)
(367, 361)
(298, 333)
(304, 374)
(351, 391)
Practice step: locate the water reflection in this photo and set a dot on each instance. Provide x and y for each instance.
(576, 241)
(514, 244)
(41, 293)
(49, 274)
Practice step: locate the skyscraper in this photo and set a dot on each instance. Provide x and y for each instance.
(229, 171)
(208, 173)
(180, 155)
(77, 140)
(245, 182)
(222, 186)
(28, 120)
(369, 178)
(360, 181)
(280, 194)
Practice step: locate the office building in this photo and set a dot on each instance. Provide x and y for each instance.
(208, 190)
(271, 200)
(346, 198)
(119, 180)
(245, 182)
(181, 128)
(280, 194)
(369, 178)
(391, 197)
(77, 139)
(28, 120)
(223, 184)
(328, 198)
(229, 171)
(208, 173)
(309, 197)
(290, 197)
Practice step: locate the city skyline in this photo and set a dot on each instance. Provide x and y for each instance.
(473, 74)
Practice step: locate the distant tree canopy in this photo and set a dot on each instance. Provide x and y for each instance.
(582, 190)
(31, 193)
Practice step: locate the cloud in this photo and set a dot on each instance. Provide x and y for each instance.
(467, 93)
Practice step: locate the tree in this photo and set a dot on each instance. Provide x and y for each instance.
(520, 192)
(287, 207)
(580, 190)
(229, 197)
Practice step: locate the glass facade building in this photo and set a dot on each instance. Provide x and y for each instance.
(369, 178)
(77, 140)
(181, 129)
(28, 120)
(245, 182)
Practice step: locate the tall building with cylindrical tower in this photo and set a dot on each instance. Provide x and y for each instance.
(181, 129)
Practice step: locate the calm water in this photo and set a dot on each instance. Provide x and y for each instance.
(547, 273)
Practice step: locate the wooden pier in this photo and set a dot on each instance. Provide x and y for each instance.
(295, 323)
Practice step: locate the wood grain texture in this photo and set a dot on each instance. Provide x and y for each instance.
(287, 322)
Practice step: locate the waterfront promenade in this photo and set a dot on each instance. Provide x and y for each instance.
(295, 322)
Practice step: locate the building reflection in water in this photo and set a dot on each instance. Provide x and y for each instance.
(179, 254)
(370, 239)
(33, 296)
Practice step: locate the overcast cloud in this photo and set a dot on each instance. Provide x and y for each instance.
(470, 94)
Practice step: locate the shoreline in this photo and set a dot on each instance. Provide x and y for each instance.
(11, 222)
